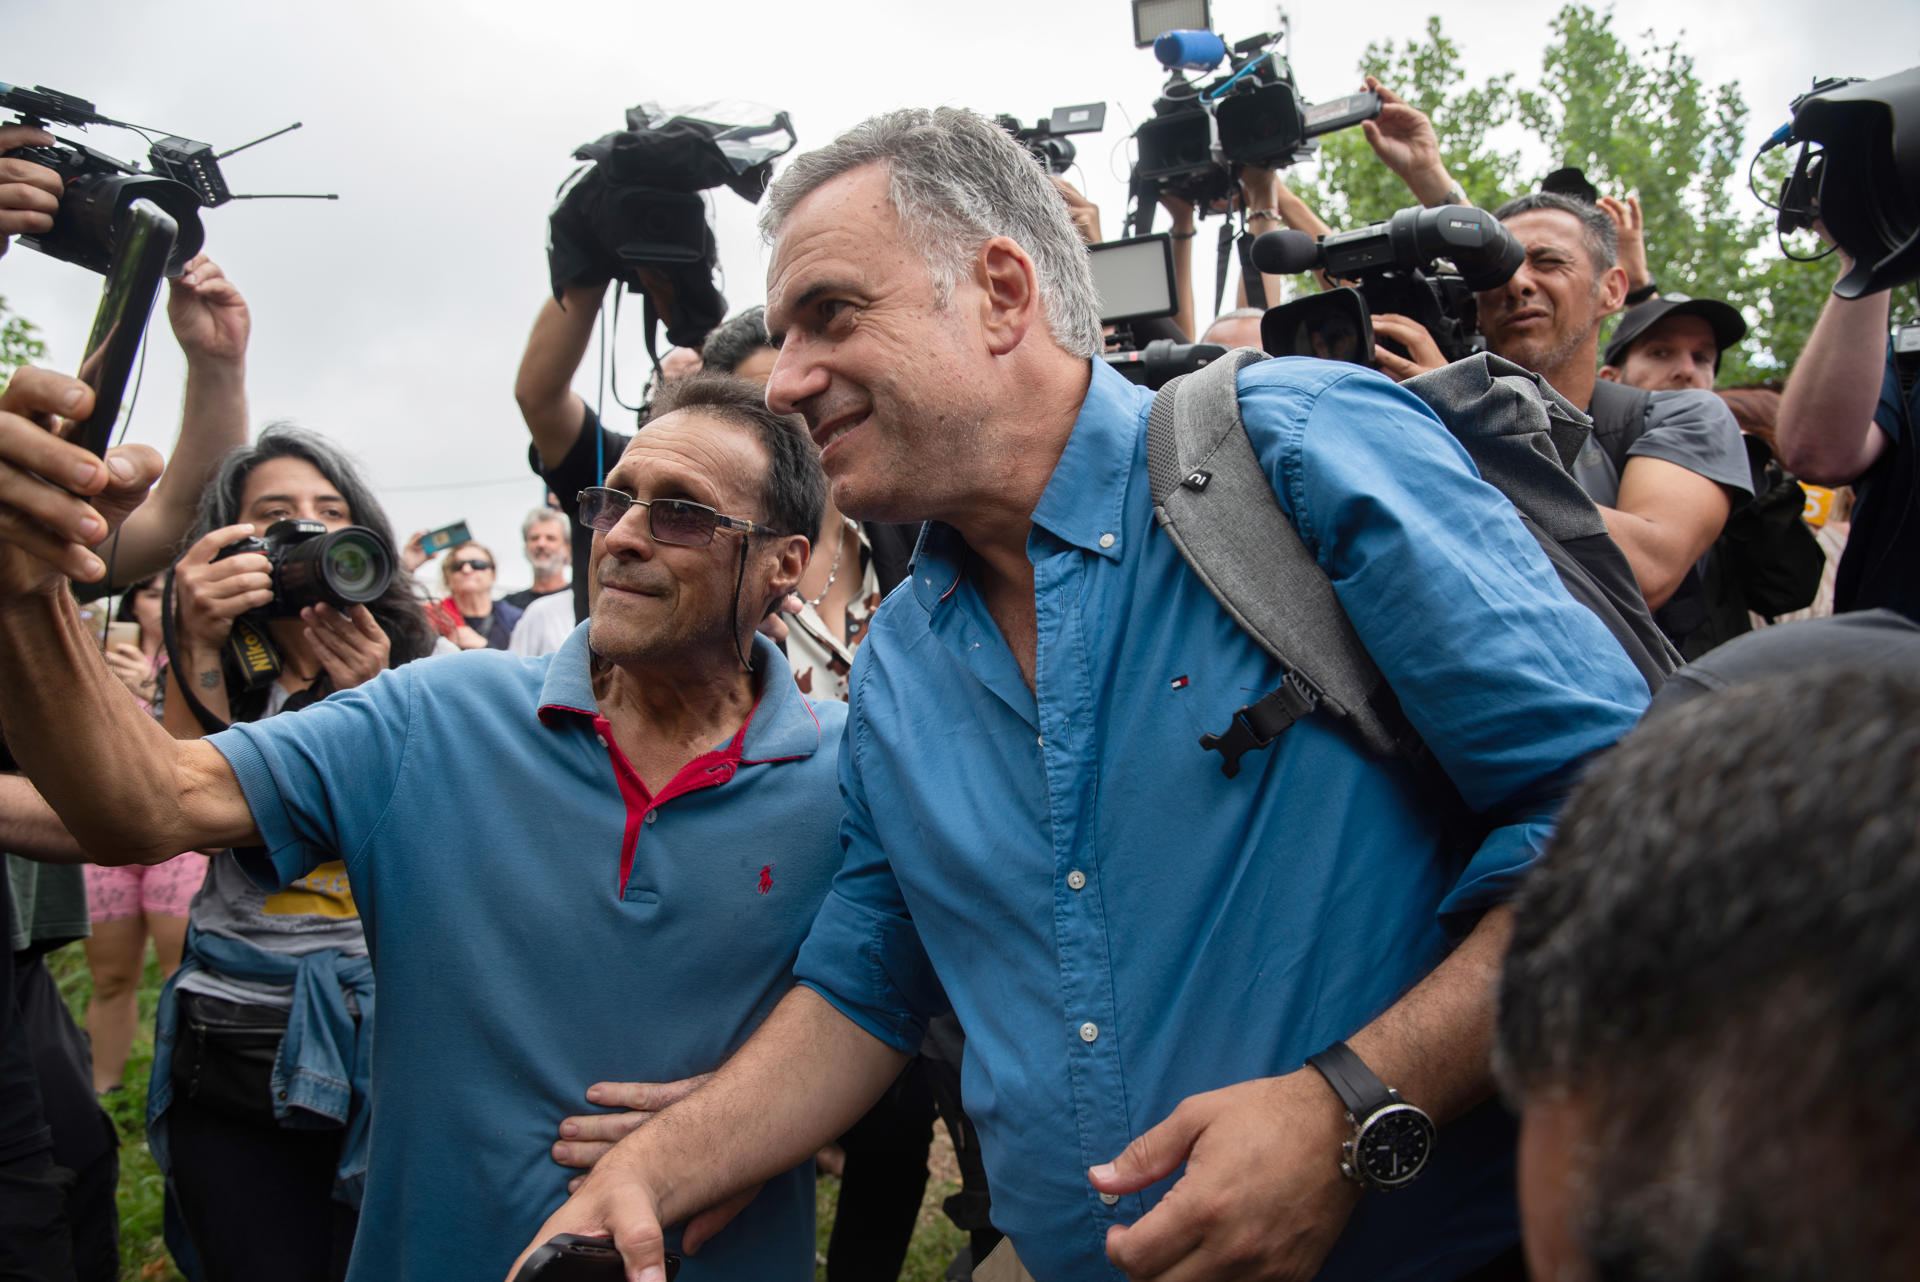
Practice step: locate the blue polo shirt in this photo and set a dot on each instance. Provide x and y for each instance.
(540, 920)
(1120, 926)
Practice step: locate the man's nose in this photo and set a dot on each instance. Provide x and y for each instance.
(796, 378)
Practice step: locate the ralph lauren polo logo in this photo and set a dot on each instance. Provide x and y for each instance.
(766, 879)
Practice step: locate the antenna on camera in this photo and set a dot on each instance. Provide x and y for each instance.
(287, 195)
(257, 141)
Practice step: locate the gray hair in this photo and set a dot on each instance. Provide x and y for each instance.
(1597, 232)
(957, 180)
(540, 516)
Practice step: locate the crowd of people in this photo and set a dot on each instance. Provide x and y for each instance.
(846, 766)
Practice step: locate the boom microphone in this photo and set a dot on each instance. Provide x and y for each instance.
(1285, 252)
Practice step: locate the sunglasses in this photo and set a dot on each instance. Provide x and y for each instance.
(675, 521)
(469, 565)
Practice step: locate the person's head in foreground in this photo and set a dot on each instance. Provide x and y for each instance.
(1709, 1010)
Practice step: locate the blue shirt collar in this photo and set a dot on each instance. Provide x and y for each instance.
(782, 726)
(1084, 499)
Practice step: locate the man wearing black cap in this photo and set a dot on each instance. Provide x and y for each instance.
(1672, 342)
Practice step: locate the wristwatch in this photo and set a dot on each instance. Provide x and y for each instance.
(1392, 1139)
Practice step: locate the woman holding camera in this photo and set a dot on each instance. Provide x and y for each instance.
(271, 1009)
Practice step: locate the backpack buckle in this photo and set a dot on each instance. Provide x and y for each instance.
(1257, 725)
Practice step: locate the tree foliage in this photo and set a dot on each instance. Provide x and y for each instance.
(18, 346)
(1636, 118)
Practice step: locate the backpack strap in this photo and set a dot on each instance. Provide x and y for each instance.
(1217, 504)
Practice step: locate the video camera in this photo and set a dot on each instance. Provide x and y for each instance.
(347, 567)
(1046, 139)
(1864, 181)
(1252, 114)
(1394, 263)
(184, 177)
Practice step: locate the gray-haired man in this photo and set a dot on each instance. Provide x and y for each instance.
(1142, 951)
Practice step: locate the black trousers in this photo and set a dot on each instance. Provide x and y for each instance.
(257, 1200)
(883, 1181)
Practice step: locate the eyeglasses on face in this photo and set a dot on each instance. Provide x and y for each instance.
(469, 565)
(676, 521)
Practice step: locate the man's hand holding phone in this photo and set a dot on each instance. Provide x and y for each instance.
(58, 501)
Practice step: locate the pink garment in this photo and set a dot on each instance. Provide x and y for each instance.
(153, 890)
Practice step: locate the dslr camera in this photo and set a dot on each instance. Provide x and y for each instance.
(347, 567)
(1396, 266)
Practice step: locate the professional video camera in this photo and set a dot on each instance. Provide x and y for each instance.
(1394, 262)
(347, 567)
(185, 176)
(1864, 181)
(1253, 114)
(1046, 139)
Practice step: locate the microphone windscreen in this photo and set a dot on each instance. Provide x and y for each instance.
(1285, 252)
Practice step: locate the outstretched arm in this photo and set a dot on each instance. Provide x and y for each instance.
(1406, 143)
(800, 1080)
(1826, 432)
(544, 385)
(211, 322)
(125, 789)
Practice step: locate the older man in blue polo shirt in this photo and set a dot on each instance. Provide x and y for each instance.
(1183, 992)
(588, 867)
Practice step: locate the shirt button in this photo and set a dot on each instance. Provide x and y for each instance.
(1076, 880)
(1089, 1031)
(1042, 741)
(1109, 1198)
(652, 815)
(601, 740)
(1106, 540)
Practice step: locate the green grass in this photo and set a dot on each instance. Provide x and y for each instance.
(143, 1253)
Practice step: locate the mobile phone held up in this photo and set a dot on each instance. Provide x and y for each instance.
(434, 542)
(133, 281)
(569, 1257)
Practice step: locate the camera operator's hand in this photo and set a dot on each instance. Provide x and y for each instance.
(209, 595)
(1413, 336)
(1085, 214)
(209, 317)
(46, 531)
(1631, 228)
(351, 646)
(1406, 143)
(29, 192)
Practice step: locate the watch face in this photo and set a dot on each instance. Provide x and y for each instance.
(1393, 1146)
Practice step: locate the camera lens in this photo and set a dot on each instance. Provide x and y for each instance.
(355, 566)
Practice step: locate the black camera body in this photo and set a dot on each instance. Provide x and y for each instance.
(310, 565)
(100, 189)
(1864, 182)
(1252, 114)
(1395, 263)
(1046, 140)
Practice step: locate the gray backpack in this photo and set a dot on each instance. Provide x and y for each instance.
(1214, 500)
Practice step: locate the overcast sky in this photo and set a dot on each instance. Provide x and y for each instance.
(393, 319)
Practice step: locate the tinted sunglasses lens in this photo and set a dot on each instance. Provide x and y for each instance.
(601, 509)
(688, 524)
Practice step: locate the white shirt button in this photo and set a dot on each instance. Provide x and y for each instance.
(652, 815)
(601, 740)
(1089, 1031)
(1042, 741)
(1077, 880)
(1109, 1198)
(1106, 540)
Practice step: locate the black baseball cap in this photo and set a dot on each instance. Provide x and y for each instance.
(1728, 327)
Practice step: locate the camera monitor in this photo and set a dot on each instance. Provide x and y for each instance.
(1154, 18)
(1134, 279)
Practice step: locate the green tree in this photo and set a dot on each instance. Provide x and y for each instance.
(1635, 117)
(18, 346)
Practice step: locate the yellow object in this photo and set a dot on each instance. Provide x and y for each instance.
(1819, 505)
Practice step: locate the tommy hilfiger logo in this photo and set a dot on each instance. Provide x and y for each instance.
(766, 879)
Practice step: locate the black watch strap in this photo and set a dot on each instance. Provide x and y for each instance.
(1635, 297)
(1351, 1079)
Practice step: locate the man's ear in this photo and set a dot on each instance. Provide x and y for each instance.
(1613, 290)
(1610, 372)
(1010, 293)
(790, 555)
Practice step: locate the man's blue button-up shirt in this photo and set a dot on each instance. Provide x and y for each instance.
(1117, 924)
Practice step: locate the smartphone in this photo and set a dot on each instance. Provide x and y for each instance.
(569, 1257)
(133, 282)
(119, 633)
(447, 536)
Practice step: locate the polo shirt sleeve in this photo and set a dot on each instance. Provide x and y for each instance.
(319, 780)
(1887, 413)
(863, 954)
(1694, 429)
(1511, 683)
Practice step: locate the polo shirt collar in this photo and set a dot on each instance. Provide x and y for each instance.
(782, 726)
(1084, 499)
